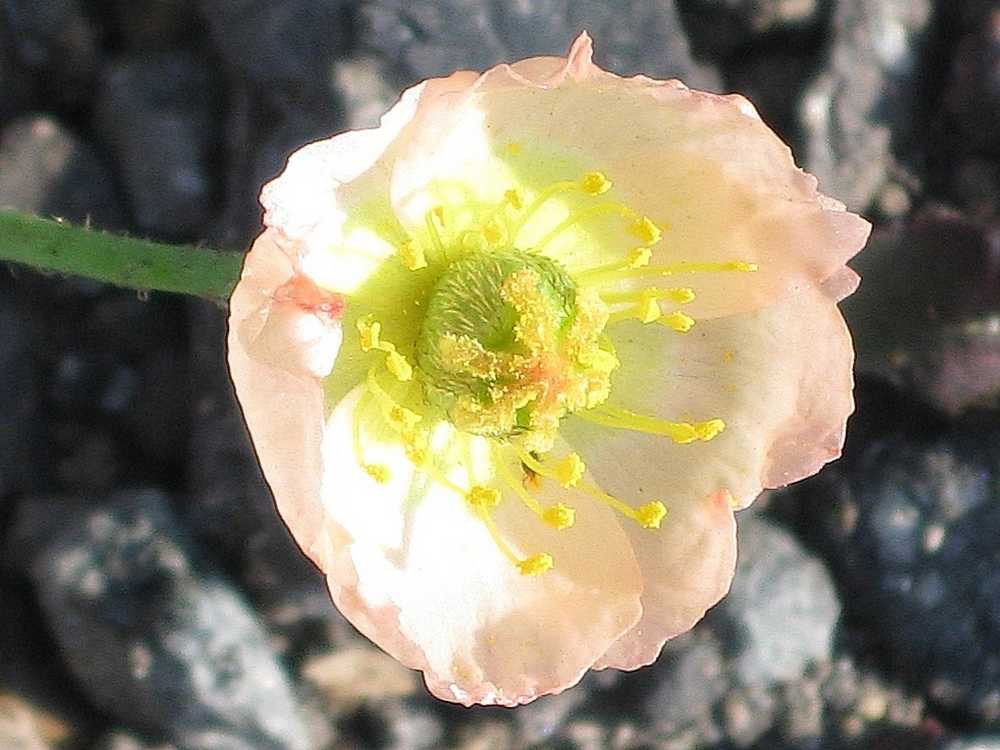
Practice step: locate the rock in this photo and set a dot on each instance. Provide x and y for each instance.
(154, 639)
(802, 720)
(20, 429)
(908, 521)
(46, 170)
(433, 39)
(358, 674)
(747, 713)
(121, 740)
(972, 94)
(54, 42)
(292, 43)
(781, 611)
(726, 28)
(157, 114)
(864, 110)
(229, 508)
(982, 742)
(936, 329)
(155, 24)
(686, 681)
(23, 728)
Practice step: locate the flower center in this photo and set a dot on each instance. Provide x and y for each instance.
(509, 345)
(510, 342)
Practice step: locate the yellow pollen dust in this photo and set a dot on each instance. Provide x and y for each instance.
(646, 231)
(595, 183)
(678, 321)
(649, 515)
(536, 564)
(370, 339)
(514, 199)
(412, 256)
(378, 472)
(483, 498)
(559, 516)
(568, 471)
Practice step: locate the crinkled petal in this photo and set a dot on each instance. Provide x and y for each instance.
(718, 182)
(284, 335)
(781, 380)
(419, 574)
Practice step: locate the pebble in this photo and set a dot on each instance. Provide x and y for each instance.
(152, 637)
(156, 113)
(780, 614)
(434, 39)
(862, 109)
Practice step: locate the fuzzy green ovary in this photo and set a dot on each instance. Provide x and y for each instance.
(505, 346)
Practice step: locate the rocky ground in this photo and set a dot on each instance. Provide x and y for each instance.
(151, 599)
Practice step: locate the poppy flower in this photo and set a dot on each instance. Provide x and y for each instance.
(511, 361)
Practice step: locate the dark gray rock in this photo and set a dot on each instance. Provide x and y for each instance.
(934, 330)
(981, 742)
(46, 170)
(972, 95)
(229, 507)
(55, 43)
(864, 111)
(421, 40)
(20, 433)
(908, 521)
(284, 44)
(157, 115)
(686, 682)
(153, 639)
(781, 612)
(157, 24)
(726, 28)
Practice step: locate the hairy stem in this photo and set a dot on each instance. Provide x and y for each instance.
(56, 246)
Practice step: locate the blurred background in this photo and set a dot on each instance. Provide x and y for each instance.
(150, 597)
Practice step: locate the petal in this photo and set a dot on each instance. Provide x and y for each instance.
(416, 572)
(779, 377)
(719, 183)
(279, 347)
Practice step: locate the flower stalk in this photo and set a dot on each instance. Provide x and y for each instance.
(57, 246)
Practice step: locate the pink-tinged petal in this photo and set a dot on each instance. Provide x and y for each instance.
(284, 335)
(718, 182)
(781, 380)
(419, 574)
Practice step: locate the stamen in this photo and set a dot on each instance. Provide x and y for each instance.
(558, 516)
(536, 564)
(432, 230)
(614, 272)
(679, 432)
(648, 516)
(567, 471)
(370, 339)
(513, 197)
(595, 183)
(678, 321)
(412, 256)
(681, 295)
(579, 215)
(378, 472)
(646, 231)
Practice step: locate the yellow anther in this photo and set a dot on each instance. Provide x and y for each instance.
(438, 213)
(415, 445)
(681, 295)
(536, 564)
(708, 430)
(559, 516)
(740, 265)
(639, 257)
(412, 256)
(378, 472)
(728, 357)
(493, 233)
(595, 183)
(649, 515)
(368, 333)
(569, 470)
(648, 309)
(678, 321)
(513, 197)
(473, 241)
(483, 498)
(646, 230)
(514, 149)
(396, 364)
(402, 417)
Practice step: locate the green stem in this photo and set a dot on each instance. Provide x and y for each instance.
(117, 259)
